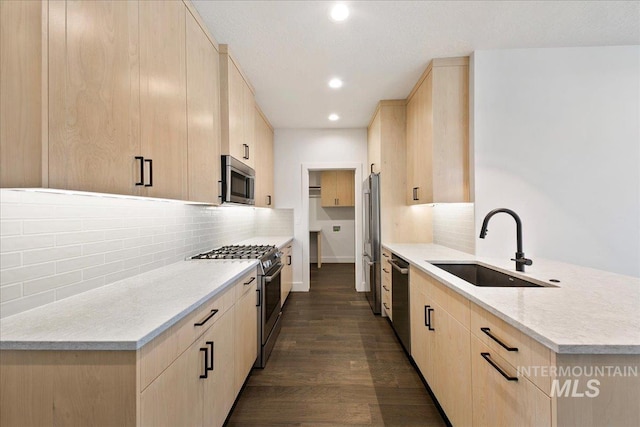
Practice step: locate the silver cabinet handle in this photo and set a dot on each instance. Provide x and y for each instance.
(397, 267)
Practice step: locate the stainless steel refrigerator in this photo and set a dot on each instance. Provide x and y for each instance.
(372, 242)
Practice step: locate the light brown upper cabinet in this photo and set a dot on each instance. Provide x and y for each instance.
(94, 104)
(203, 115)
(264, 160)
(237, 106)
(21, 49)
(337, 188)
(124, 99)
(438, 134)
(163, 98)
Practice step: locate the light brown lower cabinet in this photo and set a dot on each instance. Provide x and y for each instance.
(386, 284)
(246, 336)
(286, 283)
(485, 372)
(440, 345)
(500, 397)
(186, 376)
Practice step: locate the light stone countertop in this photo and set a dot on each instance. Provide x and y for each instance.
(124, 315)
(279, 241)
(589, 312)
(127, 314)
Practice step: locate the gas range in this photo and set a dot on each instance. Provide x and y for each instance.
(268, 288)
(267, 254)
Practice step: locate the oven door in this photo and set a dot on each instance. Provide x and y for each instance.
(271, 283)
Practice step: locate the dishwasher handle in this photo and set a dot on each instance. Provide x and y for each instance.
(397, 267)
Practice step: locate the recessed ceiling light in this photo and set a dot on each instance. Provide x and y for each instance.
(335, 83)
(340, 12)
(333, 117)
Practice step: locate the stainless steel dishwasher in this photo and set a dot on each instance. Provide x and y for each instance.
(400, 301)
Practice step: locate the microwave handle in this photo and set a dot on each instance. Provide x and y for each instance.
(250, 187)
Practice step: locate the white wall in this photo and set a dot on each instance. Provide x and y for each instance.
(556, 137)
(323, 149)
(337, 246)
(53, 245)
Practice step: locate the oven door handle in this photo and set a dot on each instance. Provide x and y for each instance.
(268, 279)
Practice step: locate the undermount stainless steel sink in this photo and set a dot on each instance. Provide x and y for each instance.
(479, 275)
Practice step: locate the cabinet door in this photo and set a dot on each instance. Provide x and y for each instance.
(374, 144)
(345, 182)
(263, 162)
(249, 124)
(94, 121)
(328, 183)
(219, 388)
(21, 93)
(246, 336)
(422, 339)
(412, 140)
(163, 97)
(175, 397)
(499, 402)
(452, 366)
(235, 108)
(287, 275)
(203, 114)
(420, 156)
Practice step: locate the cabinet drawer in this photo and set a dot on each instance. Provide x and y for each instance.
(499, 401)
(164, 349)
(386, 299)
(517, 348)
(246, 283)
(451, 301)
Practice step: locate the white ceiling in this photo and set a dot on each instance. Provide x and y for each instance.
(290, 49)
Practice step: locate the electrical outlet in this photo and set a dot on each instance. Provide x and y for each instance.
(336, 228)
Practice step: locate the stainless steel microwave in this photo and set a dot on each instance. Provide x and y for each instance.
(238, 182)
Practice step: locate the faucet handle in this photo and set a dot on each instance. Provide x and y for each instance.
(522, 260)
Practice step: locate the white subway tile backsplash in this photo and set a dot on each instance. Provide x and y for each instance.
(10, 228)
(26, 303)
(102, 270)
(20, 274)
(20, 211)
(10, 260)
(137, 241)
(9, 292)
(123, 233)
(138, 261)
(75, 289)
(79, 237)
(79, 263)
(121, 275)
(101, 247)
(38, 256)
(453, 226)
(22, 243)
(122, 254)
(55, 245)
(51, 282)
(51, 226)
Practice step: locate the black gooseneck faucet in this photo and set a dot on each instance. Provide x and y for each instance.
(520, 260)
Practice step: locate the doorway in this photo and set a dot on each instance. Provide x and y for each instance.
(331, 217)
(343, 245)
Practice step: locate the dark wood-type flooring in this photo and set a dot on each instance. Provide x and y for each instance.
(335, 363)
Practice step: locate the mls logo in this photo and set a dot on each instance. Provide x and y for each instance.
(571, 388)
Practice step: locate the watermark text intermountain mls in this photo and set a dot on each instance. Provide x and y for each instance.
(577, 381)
